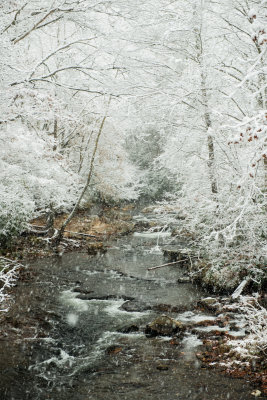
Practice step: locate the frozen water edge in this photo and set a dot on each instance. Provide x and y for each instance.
(151, 235)
(190, 316)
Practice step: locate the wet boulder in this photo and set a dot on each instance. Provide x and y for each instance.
(162, 367)
(79, 289)
(210, 303)
(84, 296)
(113, 350)
(164, 326)
(135, 306)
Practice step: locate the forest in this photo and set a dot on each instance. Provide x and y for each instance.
(159, 104)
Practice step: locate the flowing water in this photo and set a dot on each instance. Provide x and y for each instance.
(67, 337)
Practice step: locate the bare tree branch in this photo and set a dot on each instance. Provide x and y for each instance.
(16, 40)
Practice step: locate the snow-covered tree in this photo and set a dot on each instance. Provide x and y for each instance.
(58, 68)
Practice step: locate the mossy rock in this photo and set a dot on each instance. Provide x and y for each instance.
(164, 326)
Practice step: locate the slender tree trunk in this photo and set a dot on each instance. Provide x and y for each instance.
(198, 30)
(55, 133)
(59, 234)
(262, 98)
(83, 153)
(210, 142)
(263, 104)
(265, 175)
(50, 219)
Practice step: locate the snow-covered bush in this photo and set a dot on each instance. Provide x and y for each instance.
(255, 344)
(32, 177)
(14, 214)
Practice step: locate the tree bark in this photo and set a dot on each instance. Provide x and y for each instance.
(210, 142)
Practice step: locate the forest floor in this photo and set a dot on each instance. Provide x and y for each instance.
(84, 231)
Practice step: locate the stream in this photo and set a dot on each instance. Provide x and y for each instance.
(76, 330)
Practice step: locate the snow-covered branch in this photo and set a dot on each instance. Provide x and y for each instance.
(9, 270)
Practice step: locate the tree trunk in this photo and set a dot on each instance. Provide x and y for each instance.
(198, 30)
(55, 240)
(55, 134)
(265, 175)
(50, 219)
(210, 142)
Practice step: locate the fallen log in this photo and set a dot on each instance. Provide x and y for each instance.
(238, 291)
(46, 231)
(37, 230)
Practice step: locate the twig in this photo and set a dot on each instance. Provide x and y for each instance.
(83, 234)
(166, 265)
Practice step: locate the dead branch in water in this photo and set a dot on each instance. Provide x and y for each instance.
(166, 265)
